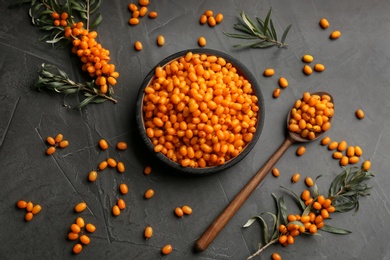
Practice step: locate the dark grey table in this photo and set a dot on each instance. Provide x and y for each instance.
(357, 75)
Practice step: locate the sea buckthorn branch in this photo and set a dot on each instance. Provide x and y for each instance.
(59, 20)
(263, 32)
(344, 193)
(54, 79)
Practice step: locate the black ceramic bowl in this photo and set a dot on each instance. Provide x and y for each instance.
(242, 70)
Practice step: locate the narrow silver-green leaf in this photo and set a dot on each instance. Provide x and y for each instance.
(335, 230)
(285, 34)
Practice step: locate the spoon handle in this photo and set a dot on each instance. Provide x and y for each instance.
(219, 223)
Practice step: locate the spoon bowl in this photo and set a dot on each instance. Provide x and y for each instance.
(213, 230)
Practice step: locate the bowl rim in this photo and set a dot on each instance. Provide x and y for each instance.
(242, 70)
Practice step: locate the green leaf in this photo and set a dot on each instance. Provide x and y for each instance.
(283, 210)
(273, 31)
(249, 222)
(85, 102)
(285, 34)
(298, 198)
(97, 21)
(266, 21)
(240, 36)
(335, 230)
(263, 44)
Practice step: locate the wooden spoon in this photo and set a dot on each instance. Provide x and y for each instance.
(219, 223)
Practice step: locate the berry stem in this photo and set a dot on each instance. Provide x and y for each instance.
(263, 248)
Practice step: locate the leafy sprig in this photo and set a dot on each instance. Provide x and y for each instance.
(262, 31)
(53, 79)
(41, 10)
(344, 191)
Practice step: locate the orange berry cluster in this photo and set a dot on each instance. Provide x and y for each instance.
(209, 18)
(121, 204)
(344, 153)
(94, 57)
(297, 224)
(60, 19)
(138, 12)
(30, 208)
(76, 232)
(311, 115)
(58, 141)
(187, 210)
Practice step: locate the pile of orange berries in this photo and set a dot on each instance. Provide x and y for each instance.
(310, 223)
(311, 115)
(30, 208)
(58, 141)
(94, 57)
(77, 233)
(137, 13)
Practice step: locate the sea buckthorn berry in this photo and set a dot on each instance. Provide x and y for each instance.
(319, 67)
(179, 212)
(337, 155)
(138, 46)
(305, 219)
(143, 2)
(160, 40)
(85, 239)
(149, 194)
(313, 229)
(276, 256)
(80, 207)
(202, 41)
(211, 21)
(142, 11)
(324, 23)
(305, 195)
(325, 140)
(58, 138)
(317, 205)
(301, 150)
(148, 232)
(147, 170)
(103, 165)
(359, 114)
(103, 144)
(111, 162)
(358, 151)
(307, 58)
(307, 70)
(116, 210)
(219, 18)
(321, 199)
(209, 13)
(64, 16)
(90, 228)
(50, 140)
(36, 209)
(153, 14)
(282, 239)
(120, 167)
(73, 236)
(327, 203)
(203, 19)
(123, 188)
(353, 159)
(282, 229)
(64, 143)
(275, 172)
(342, 146)
(350, 151)
(296, 177)
(92, 176)
(187, 210)
(344, 160)
(29, 206)
(276, 93)
(75, 228)
(77, 248)
(55, 15)
(291, 218)
(56, 22)
(309, 182)
(21, 204)
(269, 72)
(290, 239)
(283, 83)
(29, 216)
(167, 249)
(121, 204)
(335, 35)
(331, 209)
(80, 222)
(133, 21)
(51, 150)
(133, 7)
(333, 145)
(367, 165)
(324, 214)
